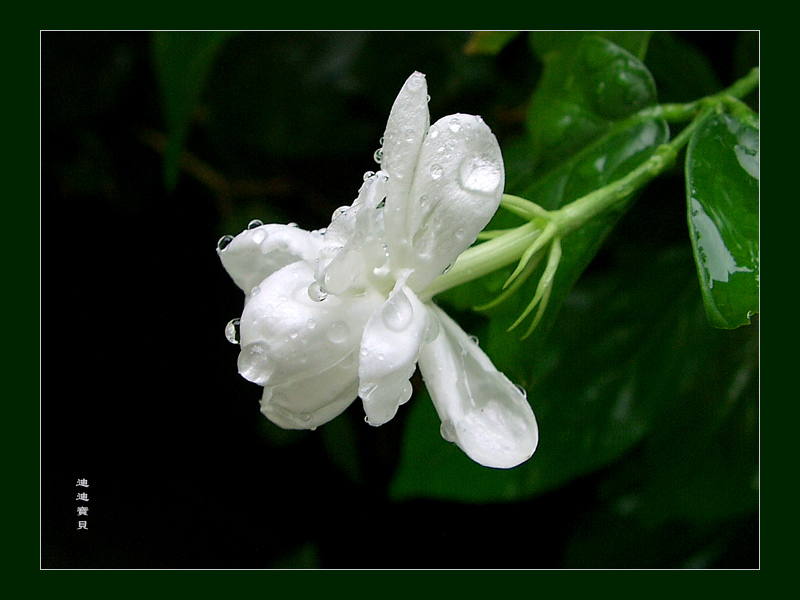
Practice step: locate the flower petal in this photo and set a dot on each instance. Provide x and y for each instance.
(354, 244)
(289, 334)
(457, 187)
(405, 131)
(256, 253)
(389, 352)
(311, 402)
(485, 414)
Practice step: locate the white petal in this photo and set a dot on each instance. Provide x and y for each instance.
(389, 352)
(311, 402)
(406, 129)
(256, 253)
(457, 187)
(288, 334)
(354, 242)
(485, 414)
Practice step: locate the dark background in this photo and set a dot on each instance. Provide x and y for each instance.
(140, 394)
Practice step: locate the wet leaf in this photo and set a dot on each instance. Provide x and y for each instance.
(722, 192)
(588, 84)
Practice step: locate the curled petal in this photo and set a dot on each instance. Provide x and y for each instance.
(288, 333)
(313, 401)
(485, 414)
(389, 351)
(257, 253)
(354, 242)
(405, 131)
(457, 187)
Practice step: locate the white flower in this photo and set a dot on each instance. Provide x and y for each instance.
(339, 313)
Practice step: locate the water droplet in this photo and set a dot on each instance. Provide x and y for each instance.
(380, 141)
(305, 417)
(254, 223)
(311, 323)
(397, 312)
(448, 431)
(369, 175)
(223, 242)
(424, 202)
(338, 332)
(232, 331)
(259, 236)
(431, 329)
(339, 212)
(293, 333)
(405, 395)
(378, 156)
(364, 352)
(409, 135)
(316, 292)
(254, 291)
(433, 134)
(479, 174)
(254, 364)
(455, 124)
(436, 171)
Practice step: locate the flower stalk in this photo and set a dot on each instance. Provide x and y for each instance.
(545, 230)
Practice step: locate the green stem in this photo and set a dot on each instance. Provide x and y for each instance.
(512, 245)
(485, 258)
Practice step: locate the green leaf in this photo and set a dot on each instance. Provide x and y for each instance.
(183, 60)
(722, 189)
(694, 479)
(588, 84)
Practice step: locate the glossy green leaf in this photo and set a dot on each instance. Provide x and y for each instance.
(183, 60)
(694, 480)
(722, 192)
(588, 84)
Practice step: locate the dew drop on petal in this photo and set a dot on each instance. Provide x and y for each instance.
(397, 312)
(455, 124)
(232, 331)
(436, 171)
(254, 291)
(223, 242)
(431, 329)
(369, 175)
(259, 236)
(316, 292)
(339, 212)
(378, 156)
(311, 323)
(338, 332)
(478, 174)
(405, 395)
(448, 430)
(254, 223)
(409, 135)
(254, 364)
